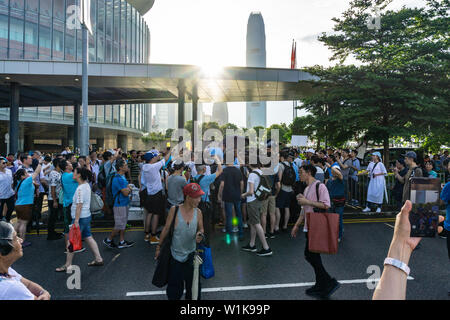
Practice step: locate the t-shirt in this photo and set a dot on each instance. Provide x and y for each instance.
(320, 174)
(310, 194)
(354, 173)
(69, 186)
(95, 168)
(6, 180)
(175, 185)
(445, 196)
(205, 182)
(119, 182)
(82, 195)
(25, 194)
(152, 177)
(54, 180)
(12, 288)
(253, 178)
(345, 172)
(232, 177)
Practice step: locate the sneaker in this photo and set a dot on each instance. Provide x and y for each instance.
(154, 240)
(378, 210)
(276, 232)
(235, 229)
(249, 248)
(367, 209)
(147, 238)
(26, 244)
(330, 289)
(313, 291)
(125, 244)
(78, 251)
(224, 230)
(271, 235)
(263, 252)
(109, 244)
(443, 234)
(245, 226)
(54, 236)
(266, 235)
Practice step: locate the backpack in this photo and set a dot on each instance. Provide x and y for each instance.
(110, 199)
(264, 189)
(101, 179)
(288, 178)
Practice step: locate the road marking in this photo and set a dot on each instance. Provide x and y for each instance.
(269, 286)
(390, 225)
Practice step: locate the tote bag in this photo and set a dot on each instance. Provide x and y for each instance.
(207, 268)
(161, 275)
(323, 230)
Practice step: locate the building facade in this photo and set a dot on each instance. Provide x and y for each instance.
(256, 57)
(45, 30)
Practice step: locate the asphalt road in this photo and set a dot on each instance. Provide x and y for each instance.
(241, 275)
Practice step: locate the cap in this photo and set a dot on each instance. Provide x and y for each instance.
(410, 154)
(193, 190)
(149, 156)
(376, 153)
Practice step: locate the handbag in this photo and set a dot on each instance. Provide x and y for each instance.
(323, 230)
(96, 203)
(207, 267)
(161, 275)
(75, 239)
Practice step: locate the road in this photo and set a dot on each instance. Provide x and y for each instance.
(241, 275)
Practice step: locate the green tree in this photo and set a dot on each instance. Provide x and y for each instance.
(228, 126)
(400, 87)
(284, 133)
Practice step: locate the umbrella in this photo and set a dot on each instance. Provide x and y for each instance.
(197, 262)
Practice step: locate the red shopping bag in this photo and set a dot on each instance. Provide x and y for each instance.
(75, 239)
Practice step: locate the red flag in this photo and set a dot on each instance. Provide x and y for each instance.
(292, 55)
(295, 55)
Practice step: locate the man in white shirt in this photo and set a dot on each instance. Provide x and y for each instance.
(154, 204)
(253, 211)
(12, 285)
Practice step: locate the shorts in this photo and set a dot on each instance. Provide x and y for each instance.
(120, 217)
(67, 218)
(254, 212)
(142, 197)
(284, 199)
(23, 212)
(269, 203)
(85, 227)
(155, 204)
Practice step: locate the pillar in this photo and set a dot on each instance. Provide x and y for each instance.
(181, 101)
(76, 126)
(122, 142)
(14, 100)
(194, 115)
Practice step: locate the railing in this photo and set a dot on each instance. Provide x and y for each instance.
(360, 191)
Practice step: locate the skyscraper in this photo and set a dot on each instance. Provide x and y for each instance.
(220, 113)
(256, 57)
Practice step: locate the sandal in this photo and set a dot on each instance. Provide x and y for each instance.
(95, 264)
(61, 269)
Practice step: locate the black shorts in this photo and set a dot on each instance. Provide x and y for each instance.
(284, 199)
(154, 204)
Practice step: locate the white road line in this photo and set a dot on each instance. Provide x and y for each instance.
(390, 225)
(269, 286)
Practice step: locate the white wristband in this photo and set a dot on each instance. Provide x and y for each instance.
(398, 264)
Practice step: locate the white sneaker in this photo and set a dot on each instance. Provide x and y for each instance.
(367, 209)
(224, 230)
(378, 210)
(245, 226)
(235, 229)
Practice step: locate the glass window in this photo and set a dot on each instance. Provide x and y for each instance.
(57, 112)
(45, 41)
(3, 36)
(79, 44)
(133, 35)
(69, 41)
(100, 114)
(58, 39)
(17, 4)
(59, 9)
(123, 115)
(116, 114)
(116, 31)
(92, 37)
(109, 36)
(133, 116)
(68, 112)
(31, 35)
(101, 31)
(44, 112)
(45, 8)
(129, 19)
(108, 113)
(91, 114)
(16, 35)
(127, 115)
(123, 34)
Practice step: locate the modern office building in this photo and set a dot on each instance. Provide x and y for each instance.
(166, 115)
(256, 57)
(41, 30)
(220, 113)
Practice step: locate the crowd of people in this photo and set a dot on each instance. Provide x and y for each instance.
(236, 197)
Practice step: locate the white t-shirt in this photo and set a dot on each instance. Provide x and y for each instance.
(152, 177)
(82, 195)
(253, 178)
(6, 180)
(12, 288)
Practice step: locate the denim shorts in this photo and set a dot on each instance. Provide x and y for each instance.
(85, 227)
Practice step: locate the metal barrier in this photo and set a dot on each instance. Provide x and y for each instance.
(358, 191)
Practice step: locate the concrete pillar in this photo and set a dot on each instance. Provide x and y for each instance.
(194, 115)
(70, 136)
(76, 126)
(14, 100)
(181, 101)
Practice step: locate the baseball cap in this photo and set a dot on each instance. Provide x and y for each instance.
(410, 154)
(376, 153)
(149, 156)
(193, 190)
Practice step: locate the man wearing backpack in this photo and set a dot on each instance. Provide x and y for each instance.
(121, 191)
(413, 171)
(254, 210)
(287, 177)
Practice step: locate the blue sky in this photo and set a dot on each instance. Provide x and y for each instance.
(214, 32)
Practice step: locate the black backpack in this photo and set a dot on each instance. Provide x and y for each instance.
(264, 189)
(288, 177)
(101, 179)
(110, 198)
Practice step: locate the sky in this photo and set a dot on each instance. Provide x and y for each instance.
(213, 32)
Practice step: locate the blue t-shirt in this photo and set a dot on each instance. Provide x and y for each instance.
(297, 176)
(206, 181)
(26, 192)
(69, 187)
(445, 196)
(119, 182)
(329, 169)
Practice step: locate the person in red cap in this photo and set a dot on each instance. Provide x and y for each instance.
(187, 232)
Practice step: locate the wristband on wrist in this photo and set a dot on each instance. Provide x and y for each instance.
(398, 264)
